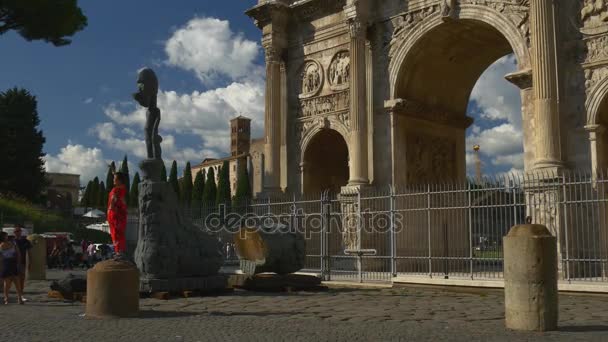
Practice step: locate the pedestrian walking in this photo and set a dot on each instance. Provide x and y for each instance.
(24, 246)
(11, 258)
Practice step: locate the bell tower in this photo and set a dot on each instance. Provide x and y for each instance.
(240, 135)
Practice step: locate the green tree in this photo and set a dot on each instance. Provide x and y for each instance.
(173, 178)
(163, 173)
(223, 187)
(198, 188)
(86, 196)
(110, 176)
(48, 20)
(124, 168)
(102, 200)
(243, 188)
(21, 142)
(186, 185)
(210, 191)
(134, 196)
(94, 196)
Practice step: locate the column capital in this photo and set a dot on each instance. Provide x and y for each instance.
(595, 131)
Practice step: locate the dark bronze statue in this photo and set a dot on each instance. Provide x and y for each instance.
(147, 83)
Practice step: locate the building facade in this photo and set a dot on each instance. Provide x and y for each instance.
(63, 189)
(244, 153)
(370, 93)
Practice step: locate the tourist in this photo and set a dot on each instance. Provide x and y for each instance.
(54, 257)
(10, 266)
(24, 246)
(117, 214)
(90, 255)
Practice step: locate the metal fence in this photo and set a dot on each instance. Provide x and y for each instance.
(451, 230)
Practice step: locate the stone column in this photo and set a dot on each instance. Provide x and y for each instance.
(358, 103)
(544, 64)
(272, 119)
(596, 133)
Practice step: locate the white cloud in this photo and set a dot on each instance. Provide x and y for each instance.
(77, 159)
(210, 48)
(498, 98)
(499, 109)
(88, 100)
(204, 114)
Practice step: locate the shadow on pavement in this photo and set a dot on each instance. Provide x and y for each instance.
(165, 314)
(583, 328)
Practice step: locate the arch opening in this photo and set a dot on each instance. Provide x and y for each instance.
(602, 138)
(325, 163)
(434, 85)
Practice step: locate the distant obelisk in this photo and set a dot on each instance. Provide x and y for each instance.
(476, 148)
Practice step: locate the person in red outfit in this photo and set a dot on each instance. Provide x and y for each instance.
(117, 214)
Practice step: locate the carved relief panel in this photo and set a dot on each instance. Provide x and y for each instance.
(430, 159)
(311, 79)
(339, 71)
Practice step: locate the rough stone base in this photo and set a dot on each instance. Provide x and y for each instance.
(278, 283)
(210, 283)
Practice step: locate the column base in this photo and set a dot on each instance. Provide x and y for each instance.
(551, 167)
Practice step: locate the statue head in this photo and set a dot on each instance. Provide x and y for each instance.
(147, 85)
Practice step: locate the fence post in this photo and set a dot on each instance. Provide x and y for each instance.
(325, 273)
(565, 225)
(392, 231)
(428, 220)
(470, 212)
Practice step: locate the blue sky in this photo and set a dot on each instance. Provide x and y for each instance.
(210, 66)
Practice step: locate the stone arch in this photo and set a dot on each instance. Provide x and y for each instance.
(483, 14)
(325, 162)
(432, 73)
(323, 124)
(597, 126)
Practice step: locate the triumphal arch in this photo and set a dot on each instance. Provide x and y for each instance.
(375, 92)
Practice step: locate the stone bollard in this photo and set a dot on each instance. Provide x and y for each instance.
(36, 269)
(112, 290)
(530, 270)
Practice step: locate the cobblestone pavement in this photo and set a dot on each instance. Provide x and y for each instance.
(397, 314)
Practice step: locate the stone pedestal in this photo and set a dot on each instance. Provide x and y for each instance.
(171, 252)
(37, 262)
(112, 290)
(530, 269)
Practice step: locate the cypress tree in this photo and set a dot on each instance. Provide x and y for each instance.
(173, 178)
(223, 188)
(243, 188)
(163, 173)
(84, 201)
(94, 196)
(110, 177)
(198, 188)
(210, 191)
(134, 195)
(186, 189)
(102, 201)
(124, 168)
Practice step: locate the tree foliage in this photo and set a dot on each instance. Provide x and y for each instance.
(173, 178)
(94, 196)
(210, 191)
(243, 188)
(110, 176)
(223, 187)
(124, 168)
(186, 189)
(21, 142)
(102, 200)
(163, 173)
(134, 194)
(85, 201)
(198, 188)
(48, 20)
